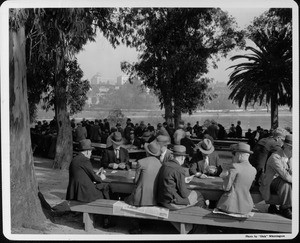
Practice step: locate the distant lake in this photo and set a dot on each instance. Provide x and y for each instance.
(249, 119)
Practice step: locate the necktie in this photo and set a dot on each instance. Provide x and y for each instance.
(206, 164)
(117, 153)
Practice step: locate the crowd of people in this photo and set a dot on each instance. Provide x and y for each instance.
(173, 159)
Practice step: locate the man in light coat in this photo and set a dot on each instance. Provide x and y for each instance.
(237, 197)
(277, 177)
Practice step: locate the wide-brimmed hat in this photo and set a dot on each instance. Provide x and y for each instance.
(117, 138)
(153, 148)
(179, 150)
(163, 140)
(241, 147)
(288, 140)
(146, 134)
(85, 144)
(206, 146)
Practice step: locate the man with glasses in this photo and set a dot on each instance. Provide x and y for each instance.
(277, 178)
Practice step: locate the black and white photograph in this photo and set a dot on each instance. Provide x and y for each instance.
(155, 120)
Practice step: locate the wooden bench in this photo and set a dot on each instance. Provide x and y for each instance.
(192, 215)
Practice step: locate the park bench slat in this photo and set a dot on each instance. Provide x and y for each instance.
(193, 215)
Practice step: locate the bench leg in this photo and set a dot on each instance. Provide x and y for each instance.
(88, 220)
(182, 228)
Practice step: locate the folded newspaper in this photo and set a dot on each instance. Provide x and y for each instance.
(236, 215)
(122, 208)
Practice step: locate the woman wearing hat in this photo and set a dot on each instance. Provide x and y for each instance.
(115, 156)
(237, 197)
(205, 161)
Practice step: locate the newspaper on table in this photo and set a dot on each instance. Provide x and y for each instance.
(122, 208)
(235, 215)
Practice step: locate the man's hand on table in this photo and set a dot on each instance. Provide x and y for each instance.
(188, 179)
(200, 175)
(113, 166)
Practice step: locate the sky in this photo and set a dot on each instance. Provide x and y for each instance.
(101, 57)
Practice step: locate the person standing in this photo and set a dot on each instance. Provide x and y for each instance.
(277, 178)
(179, 133)
(238, 130)
(237, 184)
(172, 191)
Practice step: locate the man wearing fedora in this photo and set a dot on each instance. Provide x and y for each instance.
(172, 191)
(206, 161)
(115, 156)
(144, 192)
(277, 177)
(237, 197)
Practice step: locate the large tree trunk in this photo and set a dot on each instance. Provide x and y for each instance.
(26, 210)
(177, 114)
(168, 111)
(64, 143)
(274, 111)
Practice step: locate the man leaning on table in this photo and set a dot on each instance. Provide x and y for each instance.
(172, 191)
(115, 156)
(85, 185)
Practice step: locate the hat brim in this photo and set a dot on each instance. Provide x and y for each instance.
(212, 149)
(149, 152)
(89, 148)
(118, 142)
(243, 150)
(179, 154)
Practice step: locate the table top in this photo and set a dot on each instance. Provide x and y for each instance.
(127, 177)
(128, 147)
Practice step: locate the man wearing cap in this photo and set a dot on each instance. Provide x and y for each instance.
(263, 150)
(172, 190)
(166, 154)
(206, 161)
(80, 132)
(115, 156)
(237, 197)
(188, 144)
(277, 178)
(84, 184)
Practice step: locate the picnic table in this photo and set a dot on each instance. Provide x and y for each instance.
(122, 181)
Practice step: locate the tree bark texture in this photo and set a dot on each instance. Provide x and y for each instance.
(168, 111)
(177, 114)
(64, 143)
(26, 210)
(274, 111)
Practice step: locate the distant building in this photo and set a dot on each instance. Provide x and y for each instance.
(121, 80)
(96, 79)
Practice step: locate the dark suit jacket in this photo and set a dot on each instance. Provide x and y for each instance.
(81, 181)
(110, 157)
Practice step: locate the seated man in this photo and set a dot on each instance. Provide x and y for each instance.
(144, 192)
(277, 177)
(206, 161)
(133, 141)
(237, 197)
(84, 184)
(172, 191)
(115, 156)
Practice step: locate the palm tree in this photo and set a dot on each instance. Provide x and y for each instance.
(267, 76)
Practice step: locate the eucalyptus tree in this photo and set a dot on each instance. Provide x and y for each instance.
(56, 34)
(175, 45)
(267, 74)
